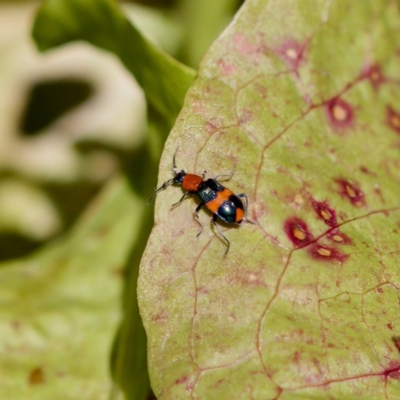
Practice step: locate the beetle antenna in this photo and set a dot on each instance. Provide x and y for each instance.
(174, 168)
(162, 187)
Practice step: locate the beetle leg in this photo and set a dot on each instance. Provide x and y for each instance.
(227, 176)
(196, 215)
(180, 201)
(247, 201)
(227, 242)
(246, 206)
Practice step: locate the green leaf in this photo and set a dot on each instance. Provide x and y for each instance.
(60, 307)
(204, 21)
(165, 82)
(101, 23)
(303, 96)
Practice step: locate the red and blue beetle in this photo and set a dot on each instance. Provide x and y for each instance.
(219, 200)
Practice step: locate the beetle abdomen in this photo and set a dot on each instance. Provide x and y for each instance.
(231, 210)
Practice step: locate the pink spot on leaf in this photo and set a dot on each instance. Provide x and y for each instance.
(340, 113)
(292, 53)
(181, 380)
(326, 253)
(352, 192)
(374, 74)
(339, 237)
(297, 231)
(326, 213)
(226, 68)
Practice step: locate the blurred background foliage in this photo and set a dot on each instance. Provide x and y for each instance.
(73, 118)
(75, 129)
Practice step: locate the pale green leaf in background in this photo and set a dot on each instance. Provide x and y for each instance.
(164, 82)
(60, 307)
(101, 23)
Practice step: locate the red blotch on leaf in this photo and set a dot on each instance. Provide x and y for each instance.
(393, 119)
(339, 237)
(326, 213)
(392, 370)
(226, 68)
(297, 231)
(292, 53)
(326, 253)
(352, 192)
(374, 74)
(181, 380)
(340, 113)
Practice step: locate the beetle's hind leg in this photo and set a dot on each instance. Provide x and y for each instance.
(246, 206)
(220, 234)
(228, 176)
(196, 216)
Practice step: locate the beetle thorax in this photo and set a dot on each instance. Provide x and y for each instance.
(191, 182)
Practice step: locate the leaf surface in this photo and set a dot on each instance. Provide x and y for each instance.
(303, 97)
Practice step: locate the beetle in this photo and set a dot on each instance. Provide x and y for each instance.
(219, 200)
